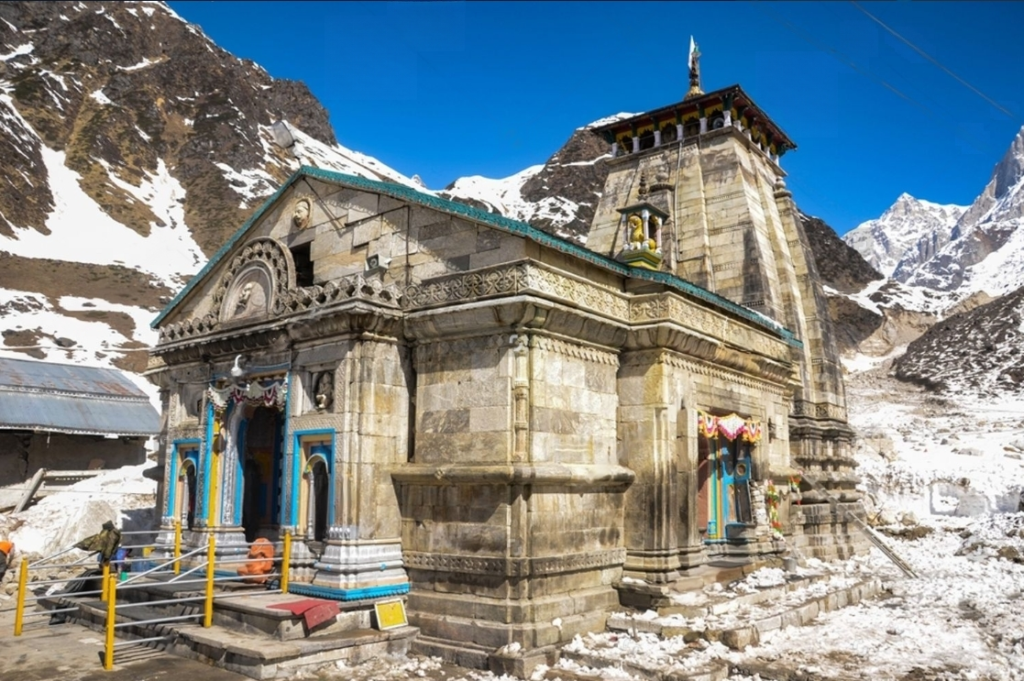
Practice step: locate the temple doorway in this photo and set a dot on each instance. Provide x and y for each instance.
(723, 475)
(187, 493)
(262, 469)
(321, 481)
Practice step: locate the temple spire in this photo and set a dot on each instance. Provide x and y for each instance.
(694, 66)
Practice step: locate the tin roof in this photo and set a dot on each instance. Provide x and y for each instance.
(67, 398)
(404, 193)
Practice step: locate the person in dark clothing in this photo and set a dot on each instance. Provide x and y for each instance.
(105, 543)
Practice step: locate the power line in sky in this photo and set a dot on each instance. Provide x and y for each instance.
(892, 88)
(934, 61)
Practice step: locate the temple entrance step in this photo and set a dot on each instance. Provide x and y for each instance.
(260, 658)
(256, 640)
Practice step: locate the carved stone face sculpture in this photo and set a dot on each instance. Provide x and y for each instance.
(300, 214)
(324, 391)
(244, 295)
(248, 296)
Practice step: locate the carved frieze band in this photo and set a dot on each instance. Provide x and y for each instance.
(506, 280)
(531, 277)
(514, 567)
(295, 301)
(585, 294)
(355, 287)
(461, 287)
(673, 359)
(575, 350)
(515, 279)
(670, 307)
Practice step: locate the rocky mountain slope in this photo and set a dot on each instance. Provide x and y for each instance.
(980, 351)
(559, 196)
(131, 146)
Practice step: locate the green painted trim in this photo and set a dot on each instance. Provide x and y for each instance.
(404, 193)
(223, 250)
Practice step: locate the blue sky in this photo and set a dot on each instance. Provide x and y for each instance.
(447, 89)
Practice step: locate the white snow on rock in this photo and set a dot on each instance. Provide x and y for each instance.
(168, 253)
(502, 196)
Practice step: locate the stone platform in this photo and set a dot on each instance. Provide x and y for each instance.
(673, 642)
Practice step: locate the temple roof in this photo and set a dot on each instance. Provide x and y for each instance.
(404, 193)
(688, 105)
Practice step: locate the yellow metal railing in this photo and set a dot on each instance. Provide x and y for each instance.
(113, 584)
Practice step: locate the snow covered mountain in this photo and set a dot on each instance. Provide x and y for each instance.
(131, 146)
(906, 235)
(559, 196)
(954, 249)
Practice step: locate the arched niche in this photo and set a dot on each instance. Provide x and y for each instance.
(250, 295)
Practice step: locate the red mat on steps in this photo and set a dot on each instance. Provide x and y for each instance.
(313, 610)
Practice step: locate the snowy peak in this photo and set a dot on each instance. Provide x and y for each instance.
(986, 248)
(910, 232)
(1009, 171)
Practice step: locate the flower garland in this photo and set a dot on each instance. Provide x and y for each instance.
(255, 394)
(730, 427)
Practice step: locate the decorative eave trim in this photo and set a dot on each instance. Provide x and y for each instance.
(403, 193)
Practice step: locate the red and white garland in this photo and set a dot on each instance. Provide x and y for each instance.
(730, 427)
(272, 394)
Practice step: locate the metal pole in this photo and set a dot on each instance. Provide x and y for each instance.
(110, 581)
(208, 606)
(19, 612)
(106, 575)
(286, 560)
(177, 547)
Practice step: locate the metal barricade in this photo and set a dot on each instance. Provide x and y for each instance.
(201, 570)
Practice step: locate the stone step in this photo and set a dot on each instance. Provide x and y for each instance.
(678, 647)
(260, 658)
(792, 604)
(240, 607)
(250, 652)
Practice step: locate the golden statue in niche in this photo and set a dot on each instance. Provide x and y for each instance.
(636, 229)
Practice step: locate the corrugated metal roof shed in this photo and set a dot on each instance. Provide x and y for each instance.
(67, 398)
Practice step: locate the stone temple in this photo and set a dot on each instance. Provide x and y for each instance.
(515, 433)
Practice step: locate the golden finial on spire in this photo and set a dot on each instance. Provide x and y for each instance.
(694, 66)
